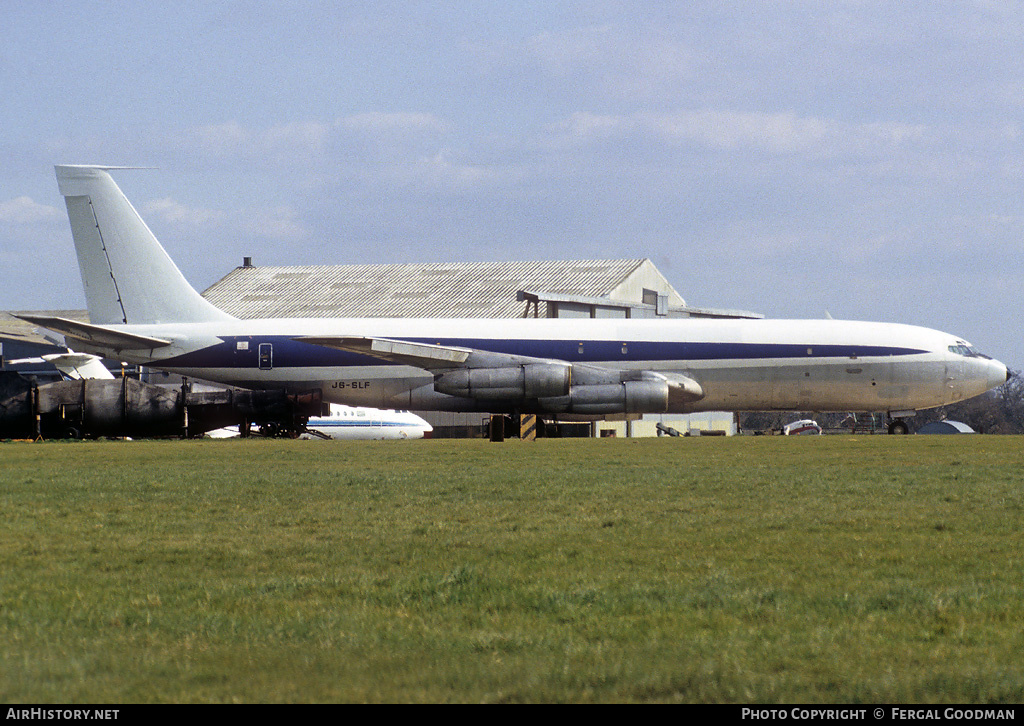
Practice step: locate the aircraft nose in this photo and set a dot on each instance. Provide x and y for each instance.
(1000, 374)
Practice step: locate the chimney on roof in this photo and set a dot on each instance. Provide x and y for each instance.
(246, 262)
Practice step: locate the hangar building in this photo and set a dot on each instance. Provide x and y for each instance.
(582, 288)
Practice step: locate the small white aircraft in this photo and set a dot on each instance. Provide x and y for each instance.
(72, 366)
(357, 422)
(802, 427)
(349, 422)
(143, 311)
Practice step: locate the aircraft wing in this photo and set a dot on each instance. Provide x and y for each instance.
(473, 373)
(421, 355)
(96, 334)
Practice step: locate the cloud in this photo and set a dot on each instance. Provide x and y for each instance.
(612, 60)
(389, 122)
(221, 139)
(179, 214)
(564, 53)
(304, 136)
(34, 245)
(232, 139)
(444, 171)
(25, 211)
(277, 223)
(773, 133)
(405, 150)
(305, 140)
(280, 224)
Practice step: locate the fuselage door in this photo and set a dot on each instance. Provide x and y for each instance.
(955, 377)
(266, 356)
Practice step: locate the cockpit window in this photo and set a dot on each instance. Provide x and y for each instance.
(967, 351)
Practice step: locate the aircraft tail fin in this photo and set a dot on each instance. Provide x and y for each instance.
(127, 275)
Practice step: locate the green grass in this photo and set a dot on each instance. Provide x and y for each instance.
(767, 569)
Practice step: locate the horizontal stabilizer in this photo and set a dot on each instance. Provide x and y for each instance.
(95, 334)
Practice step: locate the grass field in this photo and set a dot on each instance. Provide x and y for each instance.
(748, 569)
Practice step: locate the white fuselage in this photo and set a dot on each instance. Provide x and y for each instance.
(814, 365)
(358, 422)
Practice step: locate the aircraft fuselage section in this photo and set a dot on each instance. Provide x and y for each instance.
(740, 364)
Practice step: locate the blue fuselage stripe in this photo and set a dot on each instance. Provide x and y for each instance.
(291, 353)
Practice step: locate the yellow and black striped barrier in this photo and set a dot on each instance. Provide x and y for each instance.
(528, 426)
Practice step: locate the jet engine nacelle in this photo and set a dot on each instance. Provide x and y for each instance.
(529, 381)
(626, 397)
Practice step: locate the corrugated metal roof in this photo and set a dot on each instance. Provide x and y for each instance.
(470, 289)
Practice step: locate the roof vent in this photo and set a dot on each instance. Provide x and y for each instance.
(246, 262)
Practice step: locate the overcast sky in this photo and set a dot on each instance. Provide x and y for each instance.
(788, 157)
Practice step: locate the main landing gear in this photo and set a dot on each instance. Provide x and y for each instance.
(899, 427)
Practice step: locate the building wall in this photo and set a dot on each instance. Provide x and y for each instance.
(686, 424)
(645, 276)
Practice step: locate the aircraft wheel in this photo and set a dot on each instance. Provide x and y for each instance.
(899, 427)
(72, 433)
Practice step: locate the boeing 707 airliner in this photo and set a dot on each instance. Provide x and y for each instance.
(142, 310)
